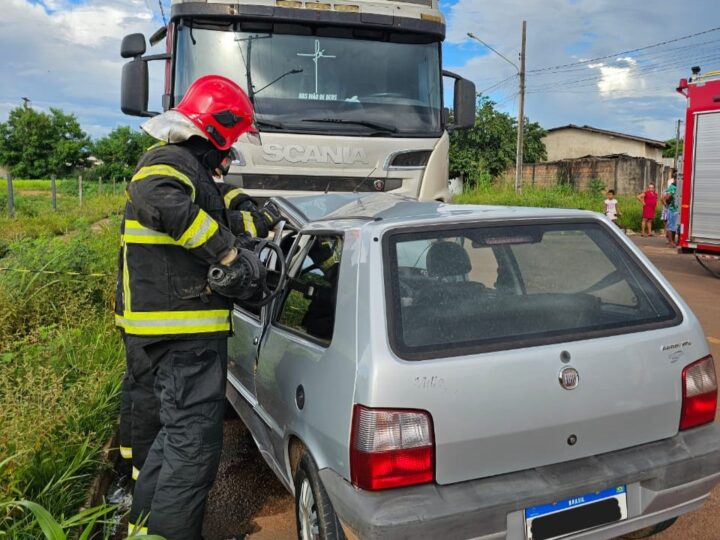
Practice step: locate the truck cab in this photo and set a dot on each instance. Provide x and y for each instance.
(348, 95)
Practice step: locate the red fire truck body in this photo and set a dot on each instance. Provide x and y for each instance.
(700, 187)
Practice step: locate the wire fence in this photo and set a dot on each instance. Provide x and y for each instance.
(53, 189)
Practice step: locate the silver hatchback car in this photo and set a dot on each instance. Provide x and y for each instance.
(443, 371)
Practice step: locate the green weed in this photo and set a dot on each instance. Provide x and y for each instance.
(61, 358)
(557, 197)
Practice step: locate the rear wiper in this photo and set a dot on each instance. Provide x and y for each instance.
(367, 123)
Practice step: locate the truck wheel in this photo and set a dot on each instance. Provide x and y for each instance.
(650, 531)
(314, 514)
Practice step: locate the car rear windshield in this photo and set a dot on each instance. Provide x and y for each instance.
(474, 289)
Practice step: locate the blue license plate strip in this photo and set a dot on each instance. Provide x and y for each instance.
(532, 513)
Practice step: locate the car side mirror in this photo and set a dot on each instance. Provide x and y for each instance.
(464, 102)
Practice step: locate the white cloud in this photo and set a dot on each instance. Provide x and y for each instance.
(68, 55)
(632, 93)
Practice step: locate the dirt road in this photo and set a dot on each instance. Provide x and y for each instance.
(247, 500)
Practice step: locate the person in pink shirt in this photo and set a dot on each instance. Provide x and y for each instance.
(649, 200)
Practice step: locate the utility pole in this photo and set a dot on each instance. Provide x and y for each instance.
(677, 145)
(521, 115)
(521, 108)
(26, 103)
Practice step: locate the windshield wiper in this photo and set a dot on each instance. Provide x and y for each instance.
(367, 123)
(269, 123)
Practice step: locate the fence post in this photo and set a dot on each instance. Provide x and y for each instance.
(99, 185)
(53, 191)
(11, 196)
(80, 189)
(113, 185)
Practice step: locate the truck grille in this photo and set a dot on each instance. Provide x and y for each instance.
(312, 183)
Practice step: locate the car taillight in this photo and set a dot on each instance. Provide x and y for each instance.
(391, 448)
(699, 394)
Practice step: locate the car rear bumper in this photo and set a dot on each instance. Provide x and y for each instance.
(665, 479)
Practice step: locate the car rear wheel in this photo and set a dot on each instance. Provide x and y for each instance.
(650, 531)
(316, 519)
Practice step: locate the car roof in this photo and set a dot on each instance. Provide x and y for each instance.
(347, 210)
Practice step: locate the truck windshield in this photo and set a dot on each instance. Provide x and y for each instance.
(317, 84)
(476, 289)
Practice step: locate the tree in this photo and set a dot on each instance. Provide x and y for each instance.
(669, 151)
(488, 149)
(120, 151)
(35, 144)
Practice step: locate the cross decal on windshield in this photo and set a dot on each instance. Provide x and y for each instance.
(317, 55)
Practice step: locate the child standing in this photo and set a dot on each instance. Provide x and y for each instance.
(649, 200)
(612, 209)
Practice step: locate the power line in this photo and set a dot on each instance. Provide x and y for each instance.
(630, 51)
(645, 57)
(498, 85)
(632, 70)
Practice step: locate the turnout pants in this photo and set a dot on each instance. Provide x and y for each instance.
(188, 379)
(140, 408)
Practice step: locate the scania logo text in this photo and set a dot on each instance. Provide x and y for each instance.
(295, 153)
(569, 378)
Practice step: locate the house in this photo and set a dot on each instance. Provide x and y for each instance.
(572, 142)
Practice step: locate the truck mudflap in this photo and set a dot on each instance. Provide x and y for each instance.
(664, 479)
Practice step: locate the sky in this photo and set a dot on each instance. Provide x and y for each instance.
(65, 53)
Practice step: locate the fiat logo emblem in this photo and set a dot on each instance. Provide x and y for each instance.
(569, 378)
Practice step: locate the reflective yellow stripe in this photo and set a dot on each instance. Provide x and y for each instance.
(126, 452)
(136, 233)
(157, 145)
(157, 323)
(127, 306)
(163, 170)
(135, 473)
(249, 224)
(200, 231)
(137, 530)
(230, 195)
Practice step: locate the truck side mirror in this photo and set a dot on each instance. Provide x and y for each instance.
(134, 88)
(133, 45)
(465, 102)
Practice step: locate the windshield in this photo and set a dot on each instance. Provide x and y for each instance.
(318, 82)
(487, 288)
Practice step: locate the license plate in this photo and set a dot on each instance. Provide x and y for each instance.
(563, 518)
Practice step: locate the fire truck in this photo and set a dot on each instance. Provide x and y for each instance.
(348, 94)
(700, 187)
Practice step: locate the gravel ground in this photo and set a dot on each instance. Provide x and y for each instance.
(247, 501)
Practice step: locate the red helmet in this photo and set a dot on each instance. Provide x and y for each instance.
(220, 108)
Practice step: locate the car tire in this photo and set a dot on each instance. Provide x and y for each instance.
(650, 531)
(314, 514)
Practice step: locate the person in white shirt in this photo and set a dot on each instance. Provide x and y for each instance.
(612, 209)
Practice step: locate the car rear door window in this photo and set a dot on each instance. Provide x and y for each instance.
(309, 305)
(463, 290)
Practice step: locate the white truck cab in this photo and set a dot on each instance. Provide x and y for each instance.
(348, 95)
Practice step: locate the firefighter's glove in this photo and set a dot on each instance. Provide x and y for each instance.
(240, 279)
(257, 223)
(271, 214)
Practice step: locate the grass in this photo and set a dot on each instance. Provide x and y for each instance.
(60, 357)
(557, 197)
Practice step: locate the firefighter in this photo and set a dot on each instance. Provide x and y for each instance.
(178, 223)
